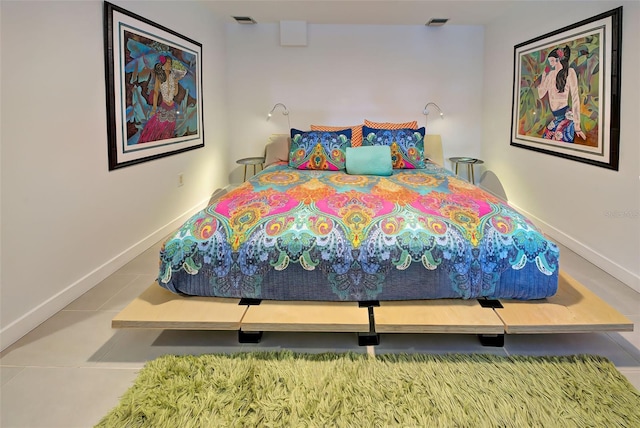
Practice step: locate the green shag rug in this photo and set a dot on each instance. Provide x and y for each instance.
(285, 389)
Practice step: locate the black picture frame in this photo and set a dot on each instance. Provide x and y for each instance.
(543, 117)
(148, 118)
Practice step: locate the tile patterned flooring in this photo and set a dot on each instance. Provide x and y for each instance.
(72, 369)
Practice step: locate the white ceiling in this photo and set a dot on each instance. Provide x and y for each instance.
(374, 12)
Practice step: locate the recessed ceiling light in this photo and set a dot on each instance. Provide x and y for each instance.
(437, 22)
(244, 20)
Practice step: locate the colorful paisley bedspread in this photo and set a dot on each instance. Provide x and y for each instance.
(289, 234)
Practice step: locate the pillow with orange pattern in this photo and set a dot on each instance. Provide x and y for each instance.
(323, 150)
(391, 125)
(356, 132)
(407, 145)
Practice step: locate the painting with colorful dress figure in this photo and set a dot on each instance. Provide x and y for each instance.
(566, 91)
(154, 89)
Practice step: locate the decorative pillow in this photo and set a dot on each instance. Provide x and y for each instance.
(369, 160)
(356, 132)
(391, 125)
(277, 149)
(407, 145)
(319, 149)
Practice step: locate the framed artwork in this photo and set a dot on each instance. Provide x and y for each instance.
(566, 91)
(154, 89)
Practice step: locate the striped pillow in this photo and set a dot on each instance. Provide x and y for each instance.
(356, 132)
(391, 125)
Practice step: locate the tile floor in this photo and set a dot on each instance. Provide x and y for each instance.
(72, 369)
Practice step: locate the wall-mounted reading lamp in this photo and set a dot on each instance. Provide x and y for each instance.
(433, 142)
(426, 110)
(285, 112)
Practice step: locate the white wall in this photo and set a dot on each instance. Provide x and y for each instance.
(67, 222)
(348, 73)
(592, 210)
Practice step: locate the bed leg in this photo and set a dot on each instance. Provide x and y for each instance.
(370, 338)
(367, 339)
(249, 336)
(249, 302)
(496, 340)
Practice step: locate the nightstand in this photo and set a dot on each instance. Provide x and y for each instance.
(255, 161)
(470, 162)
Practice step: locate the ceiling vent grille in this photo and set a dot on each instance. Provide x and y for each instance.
(437, 22)
(244, 20)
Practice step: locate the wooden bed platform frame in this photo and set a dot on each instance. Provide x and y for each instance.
(574, 309)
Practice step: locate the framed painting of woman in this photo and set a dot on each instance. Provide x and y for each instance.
(566, 91)
(154, 89)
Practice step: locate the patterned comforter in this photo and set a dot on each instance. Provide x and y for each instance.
(289, 234)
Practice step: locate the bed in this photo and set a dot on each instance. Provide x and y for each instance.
(328, 235)
(391, 250)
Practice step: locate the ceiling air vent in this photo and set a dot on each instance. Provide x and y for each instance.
(437, 22)
(244, 20)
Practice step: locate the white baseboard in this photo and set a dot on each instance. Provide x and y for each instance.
(15, 330)
(612, 268)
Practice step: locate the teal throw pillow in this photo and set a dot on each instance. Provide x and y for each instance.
(369, 160)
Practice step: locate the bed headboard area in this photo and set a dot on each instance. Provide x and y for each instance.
(277, 149)
(433, 148)
(429, 146)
